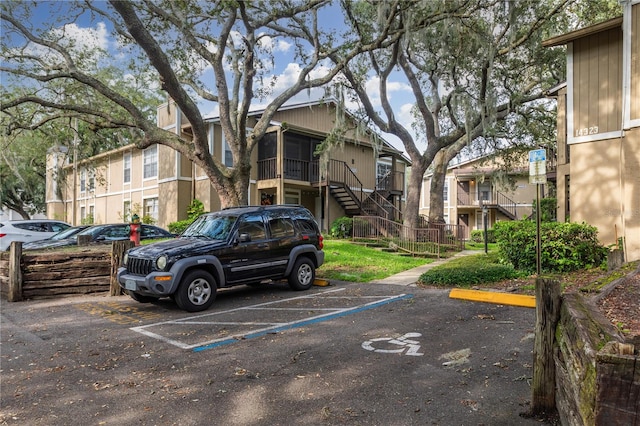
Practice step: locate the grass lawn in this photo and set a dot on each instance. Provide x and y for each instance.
(346, 261)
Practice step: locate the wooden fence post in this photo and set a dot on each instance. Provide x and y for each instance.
(544, 372)
(84, 240)
(15, 272)
(118, 248)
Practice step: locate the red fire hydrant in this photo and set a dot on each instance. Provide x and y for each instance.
(134, 229)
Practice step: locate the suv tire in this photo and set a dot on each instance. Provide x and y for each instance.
(196, 291)
(302, 275)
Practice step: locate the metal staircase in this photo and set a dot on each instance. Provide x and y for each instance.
(347, 190)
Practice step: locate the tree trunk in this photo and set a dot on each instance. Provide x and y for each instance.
(436, 192)
(412, 207)
(440, 164)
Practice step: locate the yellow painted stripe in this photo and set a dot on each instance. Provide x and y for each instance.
(494, 297)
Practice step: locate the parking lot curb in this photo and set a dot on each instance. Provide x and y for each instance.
(494, 297)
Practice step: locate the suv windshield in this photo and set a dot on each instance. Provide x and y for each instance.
(209, 226)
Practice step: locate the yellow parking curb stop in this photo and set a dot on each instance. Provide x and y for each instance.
(494, 297)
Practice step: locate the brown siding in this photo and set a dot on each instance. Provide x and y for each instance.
(166, 162)
(598, 83)
(635, 63)
(605, 176)
(316, 118)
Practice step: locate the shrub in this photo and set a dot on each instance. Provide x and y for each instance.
(477, 236)
(195, 209)
(179, 226)
(469, 271)
(565, 247)
(342, 227)
(548, 211)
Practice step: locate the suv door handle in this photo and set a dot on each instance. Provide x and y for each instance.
(262, 246)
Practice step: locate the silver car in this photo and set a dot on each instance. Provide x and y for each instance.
(28, 230)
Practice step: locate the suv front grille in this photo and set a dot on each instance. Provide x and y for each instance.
(139, 266)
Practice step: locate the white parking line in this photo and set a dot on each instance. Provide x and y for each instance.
(163, 334)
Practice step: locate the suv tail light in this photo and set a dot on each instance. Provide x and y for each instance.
(2, 235)
(321, 241)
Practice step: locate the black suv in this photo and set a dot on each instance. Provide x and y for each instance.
(243, 245)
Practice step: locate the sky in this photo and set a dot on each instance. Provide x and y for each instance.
(92, 31)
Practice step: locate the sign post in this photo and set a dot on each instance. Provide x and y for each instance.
(538, 176)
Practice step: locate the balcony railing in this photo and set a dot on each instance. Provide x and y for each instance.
(307, 171)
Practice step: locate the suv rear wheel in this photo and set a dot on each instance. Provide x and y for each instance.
(196, 292)
(302, 275)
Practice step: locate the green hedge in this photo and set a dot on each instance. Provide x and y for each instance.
(469, 271)
(342, 227)
(195, 209)
(477, 236)
(565, 247)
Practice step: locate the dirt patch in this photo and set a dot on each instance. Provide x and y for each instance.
(620, 303)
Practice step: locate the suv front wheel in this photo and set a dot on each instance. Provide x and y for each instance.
(196, 292)
(302, 275)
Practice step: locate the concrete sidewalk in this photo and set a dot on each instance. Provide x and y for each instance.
(410, 277)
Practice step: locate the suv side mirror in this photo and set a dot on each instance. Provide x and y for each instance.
(244, 238)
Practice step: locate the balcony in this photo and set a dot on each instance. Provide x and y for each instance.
(305, 171)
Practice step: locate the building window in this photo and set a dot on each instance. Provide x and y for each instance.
(228, 155)
(83, 180)
(151, 208)
(445, 191)
(126, 211)
(292, 197)
(91, 180)
(90, 219)
(127, 167)
(151, 162)
(83, 213)
(383, 176)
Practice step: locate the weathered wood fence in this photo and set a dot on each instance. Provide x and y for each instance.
(583, 366)
(37, 275)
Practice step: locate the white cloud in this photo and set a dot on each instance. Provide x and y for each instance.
(84, 39)
(268, 44)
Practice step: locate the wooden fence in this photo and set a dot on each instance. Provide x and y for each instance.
(37, 275)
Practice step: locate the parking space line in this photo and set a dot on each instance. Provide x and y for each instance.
(266, 327)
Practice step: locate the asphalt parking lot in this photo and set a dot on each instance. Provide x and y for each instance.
(359, 354)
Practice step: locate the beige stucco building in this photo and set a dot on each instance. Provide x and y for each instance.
(598, 163)
(363, 176)
(475, 184)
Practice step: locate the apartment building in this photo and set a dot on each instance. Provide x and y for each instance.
(598, 147)
(365, 175)
(479, 187)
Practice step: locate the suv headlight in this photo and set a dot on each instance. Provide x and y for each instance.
(125, 259)
(161, 263)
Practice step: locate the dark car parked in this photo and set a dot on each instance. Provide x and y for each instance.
(62, 235)
(243, 245)
(104, 234)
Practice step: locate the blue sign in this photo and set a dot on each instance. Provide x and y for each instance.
(537, 155)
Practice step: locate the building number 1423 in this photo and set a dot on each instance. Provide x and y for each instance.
(587, 131)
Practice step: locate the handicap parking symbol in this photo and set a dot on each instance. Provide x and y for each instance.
(395, 345)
